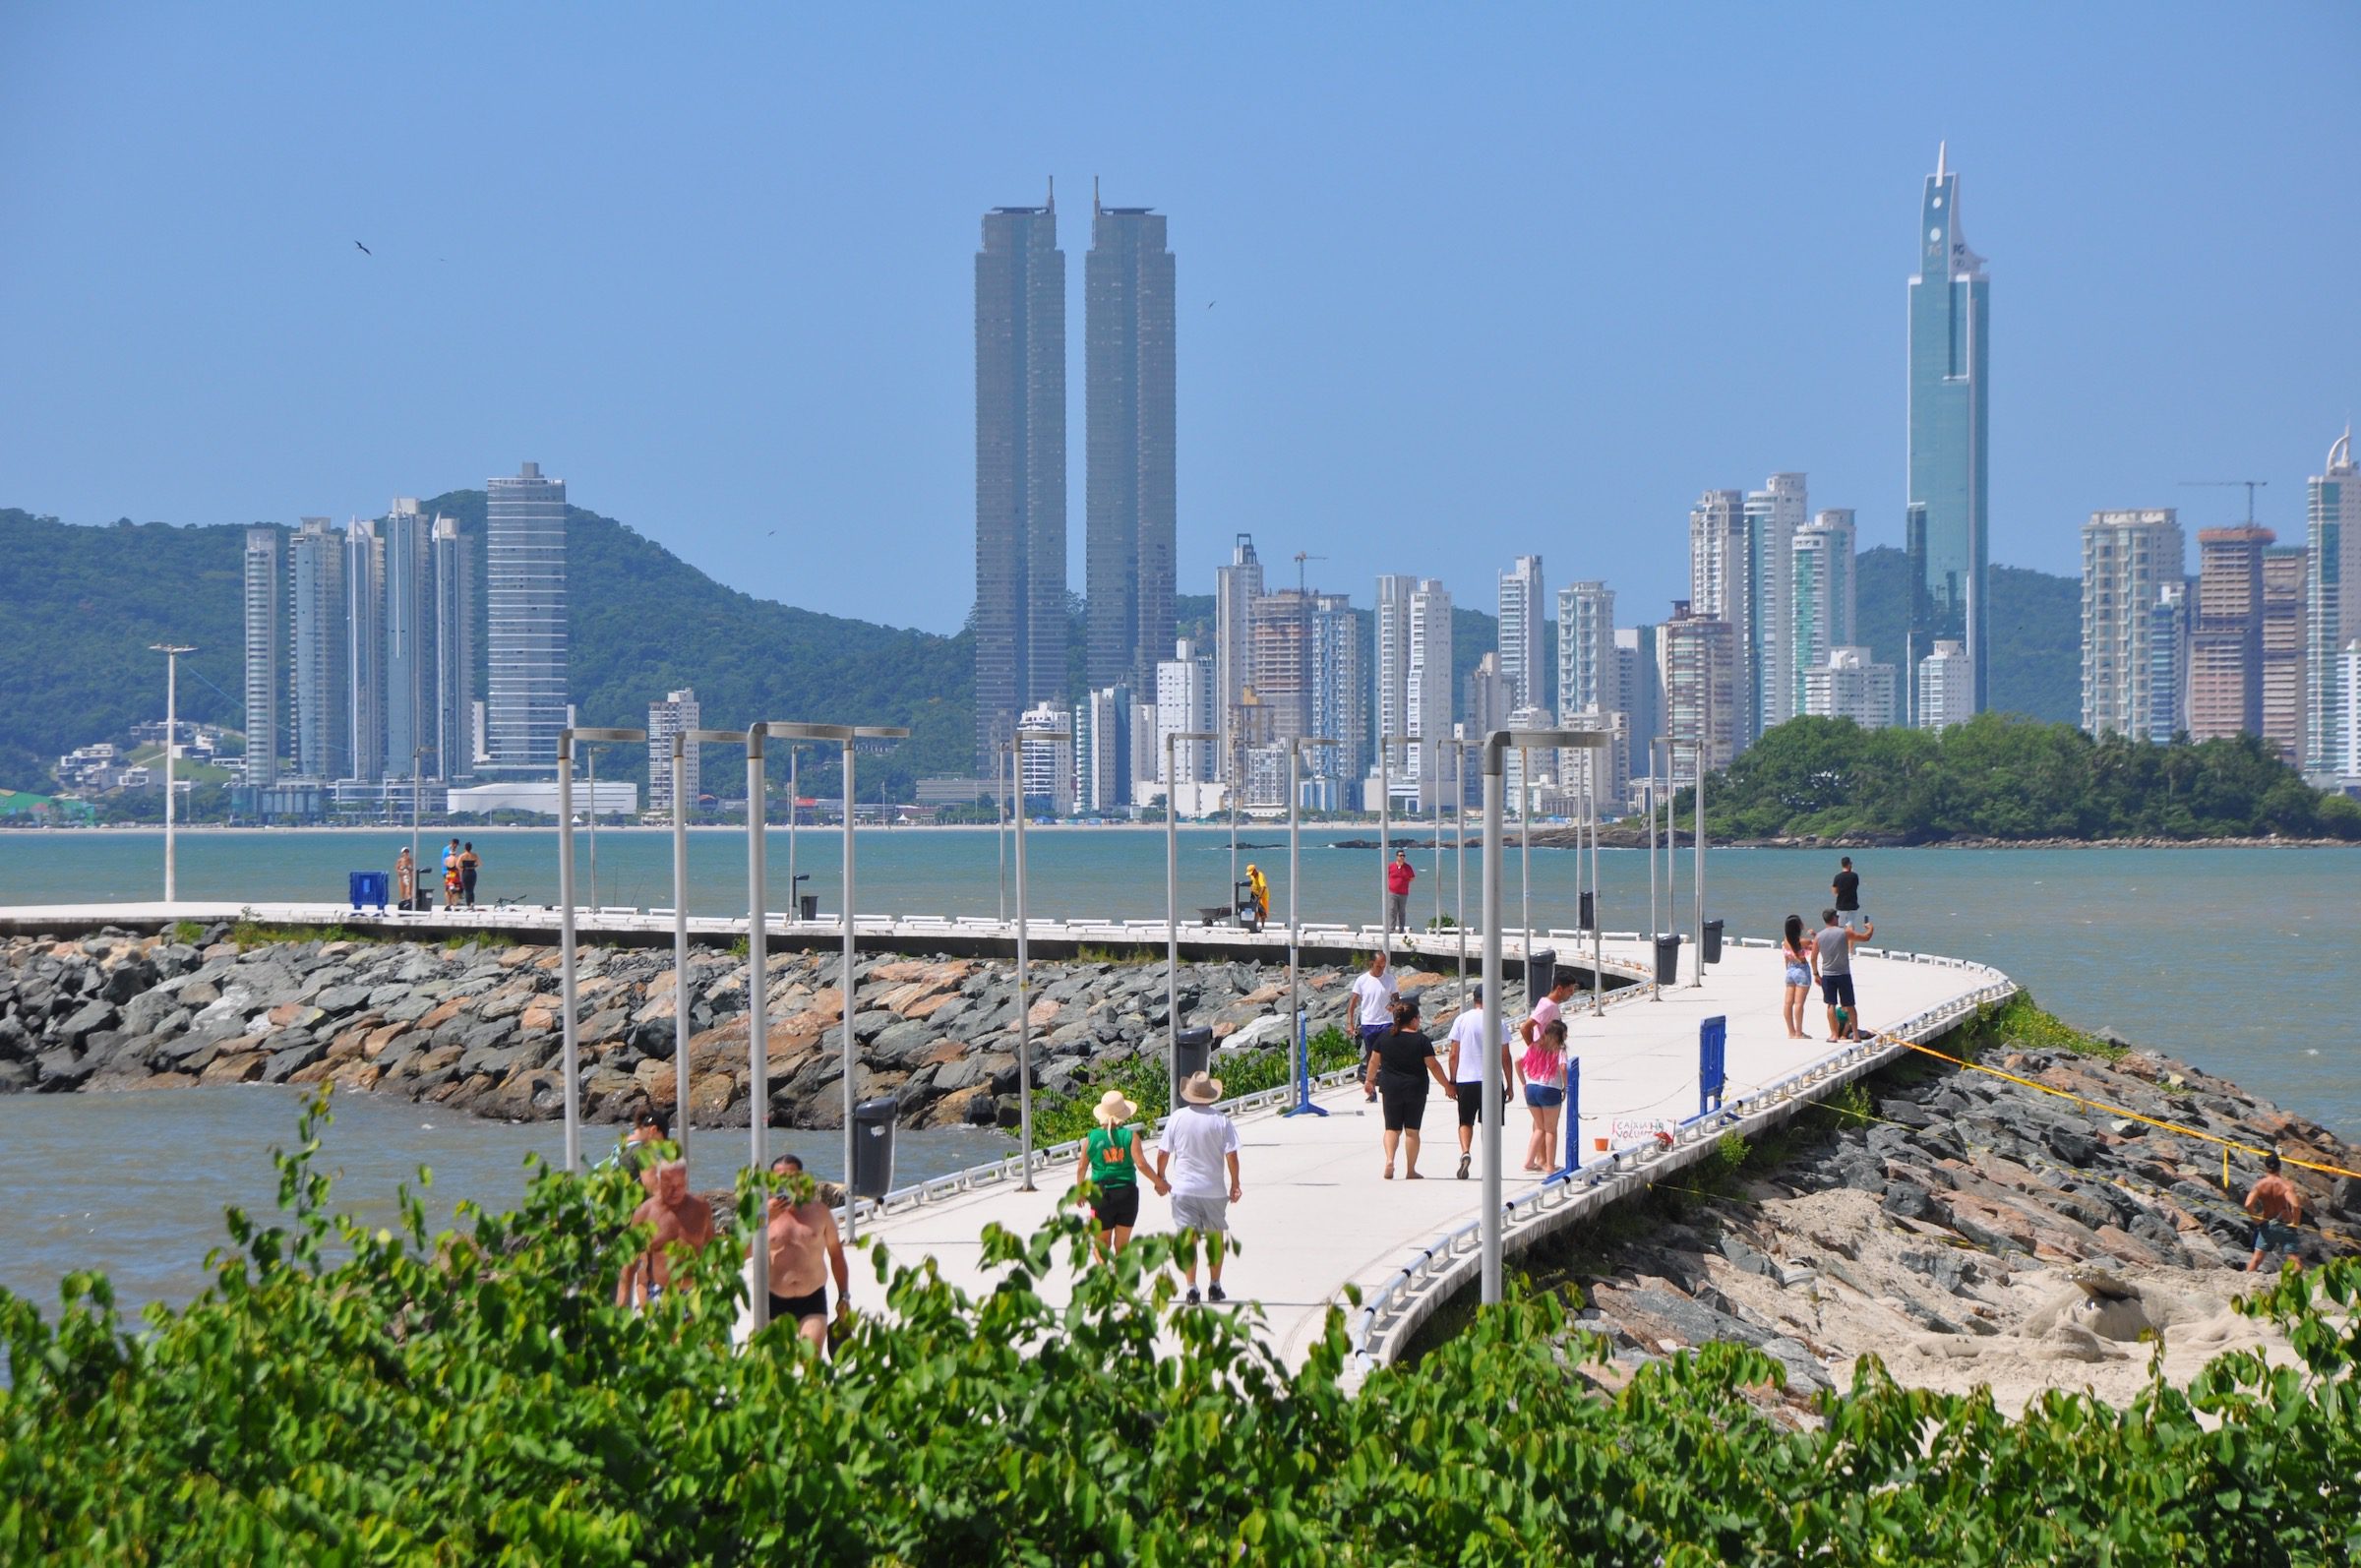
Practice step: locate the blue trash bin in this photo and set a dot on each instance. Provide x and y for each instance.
(371, 887)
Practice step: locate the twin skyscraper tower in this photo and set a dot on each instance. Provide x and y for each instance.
(1021, 459)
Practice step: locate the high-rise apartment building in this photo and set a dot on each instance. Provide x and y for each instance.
(1129, 492)
(1946, 687)
(1698, 658)
(1522, 612)
(1428, 680)
(1236, 587)
(1279, 655)
(1945, 526)
(1184, 705)
(2284, 652)
(323, 733)
(410, 625)
(265, 605)
(1721, 588)
(453, 735)
(1103, 752)
(1340, 699)
(365, 650)
(2129, 558)
(1821, 594)
(1640, 676)
(1487, 699)
(1020, 469)
(524, 552)
(2332, 616)
(1047, 779)
(1774, 514)
(1391, 658)
(1589, 686)
(2225, 646)
(2168, 662)
(1849, 685)
(677, 714)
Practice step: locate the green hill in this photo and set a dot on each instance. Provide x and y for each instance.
(2036, 627)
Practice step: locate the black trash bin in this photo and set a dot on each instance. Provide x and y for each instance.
(1192, 1052)
(872, 1148)
(1712, 941)
(809, 904)
(1540, 965)
(1668, 959)
(1588, 918)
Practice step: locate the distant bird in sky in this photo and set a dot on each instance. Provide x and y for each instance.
(773, 534)
(1209, 304)
(364, 250)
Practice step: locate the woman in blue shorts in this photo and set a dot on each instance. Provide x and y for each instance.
(1799, 977)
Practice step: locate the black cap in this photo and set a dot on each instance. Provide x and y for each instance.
(2270, 1162)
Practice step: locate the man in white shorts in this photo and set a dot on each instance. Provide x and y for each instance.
(1197, 1144)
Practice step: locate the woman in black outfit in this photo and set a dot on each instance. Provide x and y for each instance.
(1401, 1060)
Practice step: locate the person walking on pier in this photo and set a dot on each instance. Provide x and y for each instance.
(469, 864)
(1201, 1148)
(805, 1249)
(1468, 1047)
(1372, 1008)
(1399, 1069)
(1545, 1070)
(1110, 1164)
(405, 880)
(683, 1222)
(1847, 890)
(1799, 977)
(1832, 947)
(2277, 1209)
(1398, 877)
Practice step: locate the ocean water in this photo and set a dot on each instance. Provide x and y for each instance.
(2247, 961)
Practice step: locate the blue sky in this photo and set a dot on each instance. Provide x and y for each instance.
(1481, 280)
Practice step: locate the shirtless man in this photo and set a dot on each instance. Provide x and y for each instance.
(2277, 1209)
(803, 1250)
(683, 1222)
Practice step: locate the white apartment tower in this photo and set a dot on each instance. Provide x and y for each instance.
(2332, 619)
(453, 731)
(410, 624)
(1392, 658)
(365, 650)
(1698, 661)
(1522, 610)
(1721, 588)
(1236, 587)
(1590, 687)
(1847, 685)
(266, 606)
(1339, 699)
(1774, 514)
(677, 714)
(1946, 687)
(2129, 558)
(323, 737)
(1821, 596)
(1184, 703)
(1427, 710)
(524, 543)
(1047, 766)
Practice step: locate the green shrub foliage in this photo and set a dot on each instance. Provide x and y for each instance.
(350, 1395)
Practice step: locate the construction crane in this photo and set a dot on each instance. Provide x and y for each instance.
(1301, 557)
(2252, 485)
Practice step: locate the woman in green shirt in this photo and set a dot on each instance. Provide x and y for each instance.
(1110, 1168)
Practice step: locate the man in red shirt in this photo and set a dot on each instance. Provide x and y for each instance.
(1398, 877)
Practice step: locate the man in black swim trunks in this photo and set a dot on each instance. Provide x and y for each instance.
(805, 1249)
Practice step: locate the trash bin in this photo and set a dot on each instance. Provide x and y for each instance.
(1668, 959)
(872, 1148)
(1540, 966)
(809, 906)
(1192, 1052)
(370, 887)
(1712, 941)
(1588, 918)
(423, 900)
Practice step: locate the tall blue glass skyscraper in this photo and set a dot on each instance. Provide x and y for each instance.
(1949, 340)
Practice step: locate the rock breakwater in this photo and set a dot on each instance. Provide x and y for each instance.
(477, 1027)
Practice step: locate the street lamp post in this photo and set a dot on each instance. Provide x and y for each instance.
(1493, 746)
(1300, 1049)
(1459, 852)
(682, 740)
(417, 760)
(795, 883)
(1386, 844)
(571, 1057)
(1172, 912)
(1024, 997)
(171, 652)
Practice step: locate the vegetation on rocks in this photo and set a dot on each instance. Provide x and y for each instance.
(474, 1394)
(2011, 780)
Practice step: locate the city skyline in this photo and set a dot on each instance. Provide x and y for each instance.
(1452, 427)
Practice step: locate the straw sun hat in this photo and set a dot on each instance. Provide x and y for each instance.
(1199, 1090)
(1113, 1110)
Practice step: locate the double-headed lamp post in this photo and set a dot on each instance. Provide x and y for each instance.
(172, 652)
(1495, 744)
(1172, 910)
(1298, 1048)
(1024, 998)
(569, 1060)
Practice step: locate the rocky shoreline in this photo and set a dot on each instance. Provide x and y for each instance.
(475, 1026)
(1971, 1231)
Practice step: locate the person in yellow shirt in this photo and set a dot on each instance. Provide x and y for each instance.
(1258, 886)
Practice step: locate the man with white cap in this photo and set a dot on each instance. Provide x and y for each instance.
(1198, 1143)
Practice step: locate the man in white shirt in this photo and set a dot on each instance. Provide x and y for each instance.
(1467, 1068)
(1372, 1009)
(1190, 1159)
